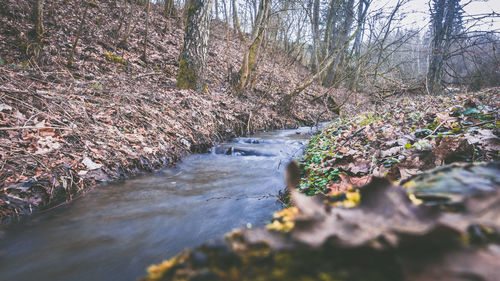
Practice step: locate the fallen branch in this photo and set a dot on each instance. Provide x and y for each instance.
(13, 91)
(34, 127)
(147, 74)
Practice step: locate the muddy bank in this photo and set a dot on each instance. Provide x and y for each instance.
(112, 115)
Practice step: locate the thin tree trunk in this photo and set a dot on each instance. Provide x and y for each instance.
(70, 61)
(250, 57)
(236, 21)
(216, 9)
(194, 52)
(342, 44)
(443, 17)
(315, 31)
(228, 64)
(224, 8)
(169, 8)
(129, 29)
(360, 21)
(363, 6)
(144, 52)
(329, 61)
(330, 37)
(38, 19)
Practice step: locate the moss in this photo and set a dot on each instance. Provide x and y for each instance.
(249, 61)
(284, 220)
(114, 58)
(96, 87)
(92, 4)
(157, 271)
(191, 9)
(259, 262)
(186, 79)
(368, 119)
(99, 21)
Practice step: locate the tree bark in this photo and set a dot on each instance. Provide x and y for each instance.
(443, 17)
(216, 9)
(129, 28)
(71, 56)
(169, 8)
(360, 23)
(38, 19)
(250, 57)
(363, 6)
(236, 21)
(194, 52)
(315, 32)
(342, 44)
(144, 51)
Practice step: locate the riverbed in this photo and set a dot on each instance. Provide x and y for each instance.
(117, 230)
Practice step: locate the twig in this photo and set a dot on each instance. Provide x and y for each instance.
(13, 91)
(34, 127)
(435, 130)
(480, 124)
(147, 74)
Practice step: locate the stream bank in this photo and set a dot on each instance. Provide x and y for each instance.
(118, 229)
(410, 222)
(64, 129)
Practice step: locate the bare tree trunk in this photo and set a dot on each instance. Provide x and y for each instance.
(443, 17)
(194, 52)
(327, 63)
(360, 23)
(170, 12)
(330, 37)
(129, 28)
(224, 9)
(236, 21)
(169, 8)
(363, 6)
(38, 19)
(216, 9)
(228, 64)
(71, 56)
(144, 51)
(342, 44)
(315, 32)
(281, 26)
(250, 58)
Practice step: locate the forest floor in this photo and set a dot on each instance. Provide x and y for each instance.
(112, 115)
(401, 137)
(381, 209)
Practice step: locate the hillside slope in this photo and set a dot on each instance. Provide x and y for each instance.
(111, 115)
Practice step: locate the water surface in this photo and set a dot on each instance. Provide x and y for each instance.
(117, 230)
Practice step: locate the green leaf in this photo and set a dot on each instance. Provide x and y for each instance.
(471, 111)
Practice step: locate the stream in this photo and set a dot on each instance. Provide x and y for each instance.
(117, 230)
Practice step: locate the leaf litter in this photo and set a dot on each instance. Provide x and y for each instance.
(381, 210)
(112, 115)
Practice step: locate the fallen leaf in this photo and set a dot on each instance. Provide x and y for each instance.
(90, 164)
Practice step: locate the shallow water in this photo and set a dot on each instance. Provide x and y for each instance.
(117, 230)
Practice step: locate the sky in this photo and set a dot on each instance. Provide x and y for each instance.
(417, 12)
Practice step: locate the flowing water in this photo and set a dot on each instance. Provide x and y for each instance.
(117, 230)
